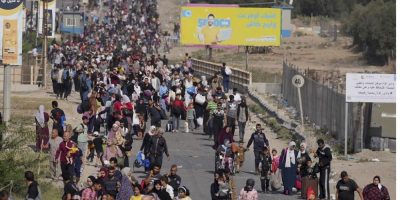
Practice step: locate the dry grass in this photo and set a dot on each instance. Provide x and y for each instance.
(25, 107)
(307, 52)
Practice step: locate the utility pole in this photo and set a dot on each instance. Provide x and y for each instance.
(44, 57)
(6, 93)
(247, 58)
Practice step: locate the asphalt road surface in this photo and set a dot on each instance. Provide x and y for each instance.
(194, 156)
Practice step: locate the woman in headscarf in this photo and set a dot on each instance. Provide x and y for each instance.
(288, 166)
(224, 134)
(125, 191)
(302, 159)
(146, 143)
(89, 193)
(112, 150)
(42, 129)
(376, 191)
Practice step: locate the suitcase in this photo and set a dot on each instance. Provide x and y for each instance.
(168, 126)
(306, 183)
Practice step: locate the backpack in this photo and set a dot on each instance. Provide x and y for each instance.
(75, 134)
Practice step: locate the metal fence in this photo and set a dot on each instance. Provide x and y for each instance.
(323, 106)
(240, 79)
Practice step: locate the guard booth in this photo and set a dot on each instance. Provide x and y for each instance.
(72, 23)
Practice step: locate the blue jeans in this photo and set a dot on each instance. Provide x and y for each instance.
(175, 122)
(191, 124)
(257, 159)
(225, 83)
(242, 126)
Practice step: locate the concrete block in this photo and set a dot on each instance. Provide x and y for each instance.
(392, 145)
(377, 144)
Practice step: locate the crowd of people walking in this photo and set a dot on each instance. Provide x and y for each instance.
(127, 89)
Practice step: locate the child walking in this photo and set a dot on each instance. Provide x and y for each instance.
(190, 116)
(240, 156)
(266, 162)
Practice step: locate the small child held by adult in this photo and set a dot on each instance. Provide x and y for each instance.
(71, 151)
(224, 189)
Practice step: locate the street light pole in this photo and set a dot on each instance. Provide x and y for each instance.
(44, 56)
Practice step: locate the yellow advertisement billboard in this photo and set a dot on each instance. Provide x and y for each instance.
(230, 26)
(10, 41)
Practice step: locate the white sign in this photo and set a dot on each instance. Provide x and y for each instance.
(376, 88)
(298, 81)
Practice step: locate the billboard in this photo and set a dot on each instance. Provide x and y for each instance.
(51, 18)
(72, 23)
(230, 26)
(11, 24)
(375, 88)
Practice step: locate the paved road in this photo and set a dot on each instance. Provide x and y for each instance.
(192, 152)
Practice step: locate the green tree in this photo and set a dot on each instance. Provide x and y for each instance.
(373, 28)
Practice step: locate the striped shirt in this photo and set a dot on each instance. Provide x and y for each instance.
(212, 106)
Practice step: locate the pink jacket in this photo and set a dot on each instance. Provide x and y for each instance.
(244, 195)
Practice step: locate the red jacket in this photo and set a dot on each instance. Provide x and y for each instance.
(178, 104)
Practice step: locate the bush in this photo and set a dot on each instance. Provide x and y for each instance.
(15, 155)
(256, 109)
(275, 126)
(284, 134)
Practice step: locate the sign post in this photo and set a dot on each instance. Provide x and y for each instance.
(247, 58)
(346, 124)
(368, 88)
(11, 17)
(298, 82)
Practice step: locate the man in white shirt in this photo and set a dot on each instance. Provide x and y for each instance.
(60, 88)
(236, 96)
(53, 144)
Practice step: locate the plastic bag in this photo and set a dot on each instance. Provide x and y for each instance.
(200, 121)
(200, 99)
(276, 180)
(228, 71)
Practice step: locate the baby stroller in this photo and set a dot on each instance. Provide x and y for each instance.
(225, 160)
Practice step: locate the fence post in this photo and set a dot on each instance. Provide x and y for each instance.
(31, 82)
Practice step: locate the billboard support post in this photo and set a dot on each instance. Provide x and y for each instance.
(209, 52)
(44, 32)
(247, 58)
(346, 123)
(6, 93)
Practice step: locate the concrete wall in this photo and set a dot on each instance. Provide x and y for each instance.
(384, 116)
(15, 74)
(264, 88)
